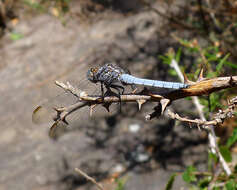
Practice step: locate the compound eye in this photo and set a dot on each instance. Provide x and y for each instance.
(93, 70)
(91, 75)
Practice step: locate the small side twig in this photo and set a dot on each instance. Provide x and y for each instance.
(91, 179)
(68, 87)
(218, 118)
(212, 15)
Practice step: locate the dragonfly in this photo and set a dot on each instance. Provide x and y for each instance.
(110, 76)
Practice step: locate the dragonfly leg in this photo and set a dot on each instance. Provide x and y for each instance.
(102, 91)
(118, 88)
(134, 88)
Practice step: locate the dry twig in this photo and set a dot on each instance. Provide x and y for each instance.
(91, 179)
(218, 118)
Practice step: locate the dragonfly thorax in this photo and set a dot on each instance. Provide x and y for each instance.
(107, 74)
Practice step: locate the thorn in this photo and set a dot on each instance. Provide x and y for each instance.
(52, 130)
(56, 130)
(186, 81)
(65, 121)
(200, 75)
(83, 94)
(198, 127)
(164, 103)
(91, 109)
(231, 80)
(140, 102)
(156, 96)
(59, 110)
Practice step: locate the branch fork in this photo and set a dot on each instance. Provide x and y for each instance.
(202, 86)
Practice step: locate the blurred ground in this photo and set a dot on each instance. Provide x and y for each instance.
(50, 51)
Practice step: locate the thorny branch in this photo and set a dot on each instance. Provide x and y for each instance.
(202, 86)
(92, 100)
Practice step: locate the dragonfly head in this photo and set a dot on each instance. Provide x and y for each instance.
(91, 75)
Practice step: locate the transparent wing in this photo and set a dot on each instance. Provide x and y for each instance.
(46, 113)
(78, 120)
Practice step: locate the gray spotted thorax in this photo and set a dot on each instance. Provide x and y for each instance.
(107, 74)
